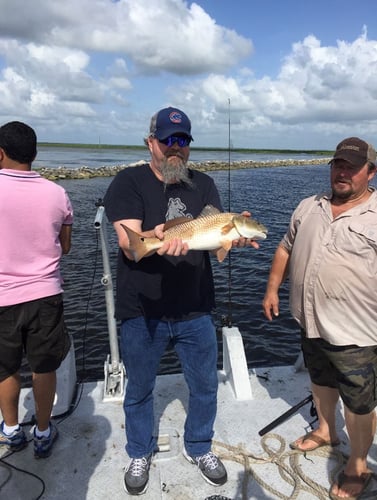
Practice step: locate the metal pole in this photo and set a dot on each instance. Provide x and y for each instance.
(114, 369)
(108, 285)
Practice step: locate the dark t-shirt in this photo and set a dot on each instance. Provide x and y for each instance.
(169, 288)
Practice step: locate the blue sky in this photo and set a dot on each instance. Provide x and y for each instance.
(292, 74)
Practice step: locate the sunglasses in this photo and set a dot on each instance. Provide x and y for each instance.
(182, 141)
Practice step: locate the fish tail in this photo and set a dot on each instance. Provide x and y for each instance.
(136, 244)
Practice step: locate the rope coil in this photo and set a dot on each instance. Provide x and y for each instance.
(288, 463)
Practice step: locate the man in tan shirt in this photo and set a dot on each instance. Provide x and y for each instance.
(329, 254)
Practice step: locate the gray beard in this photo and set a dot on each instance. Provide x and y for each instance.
(175, 173)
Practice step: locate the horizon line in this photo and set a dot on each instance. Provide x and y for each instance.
(203, 148)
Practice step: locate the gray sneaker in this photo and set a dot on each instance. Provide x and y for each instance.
(136, 476)
(43, 445)
(15, 441)
(211, 467)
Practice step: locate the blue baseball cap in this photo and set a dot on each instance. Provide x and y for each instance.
(170, 121)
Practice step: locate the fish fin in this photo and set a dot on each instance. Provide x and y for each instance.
(221, 253)
(176, 222)
(209, 210)
(226, 245)
(136, 244)
(227, 228)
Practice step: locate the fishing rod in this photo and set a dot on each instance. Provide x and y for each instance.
(229, 148)
(227, 321)
(289, 413)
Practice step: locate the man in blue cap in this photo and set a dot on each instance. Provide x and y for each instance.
(166, 297)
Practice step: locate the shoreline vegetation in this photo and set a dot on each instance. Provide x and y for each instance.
(87, 172)
(193, 148)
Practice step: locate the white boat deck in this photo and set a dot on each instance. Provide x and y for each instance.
(88, 459)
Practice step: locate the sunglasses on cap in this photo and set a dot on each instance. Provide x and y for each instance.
(182, 140)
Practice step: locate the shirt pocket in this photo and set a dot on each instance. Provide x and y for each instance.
(365, 241)
(367, 231)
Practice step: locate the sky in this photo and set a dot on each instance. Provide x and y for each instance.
(276, 74)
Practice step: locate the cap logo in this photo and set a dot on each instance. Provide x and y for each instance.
(354, 148)
(175, 117)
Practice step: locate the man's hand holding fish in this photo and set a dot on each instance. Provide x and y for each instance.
(174, 247)
(243, 242)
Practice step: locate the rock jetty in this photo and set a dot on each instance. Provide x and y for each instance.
(85, 172)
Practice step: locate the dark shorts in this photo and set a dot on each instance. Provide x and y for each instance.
(350, 369)
(36, 329)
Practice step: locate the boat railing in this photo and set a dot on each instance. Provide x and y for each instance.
(114, 371)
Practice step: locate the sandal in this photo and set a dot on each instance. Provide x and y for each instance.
(312, 437)
(344, 479)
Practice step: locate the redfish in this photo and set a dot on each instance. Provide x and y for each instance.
(211, 230)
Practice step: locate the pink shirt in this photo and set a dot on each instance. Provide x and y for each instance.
(32, 212)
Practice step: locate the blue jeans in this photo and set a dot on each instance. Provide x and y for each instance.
(143, 342)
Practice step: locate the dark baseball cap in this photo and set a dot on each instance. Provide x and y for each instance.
(355, 151)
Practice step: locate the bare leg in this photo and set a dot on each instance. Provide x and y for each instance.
(44, 387)
(361, 430)
(325, 399)
(9, 398)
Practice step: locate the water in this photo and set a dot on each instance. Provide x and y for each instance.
(270, 194)
(51, 157)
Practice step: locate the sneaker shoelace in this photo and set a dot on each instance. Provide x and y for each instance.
(209, 460)
(138, 466)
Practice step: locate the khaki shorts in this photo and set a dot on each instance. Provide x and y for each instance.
(36, 329)
(350, 369)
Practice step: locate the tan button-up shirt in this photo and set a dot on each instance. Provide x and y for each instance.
(333, 270)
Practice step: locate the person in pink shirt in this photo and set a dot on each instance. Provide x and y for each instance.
(35, 230)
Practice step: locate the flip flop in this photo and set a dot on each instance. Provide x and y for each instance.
(312, 437)
(344, 479)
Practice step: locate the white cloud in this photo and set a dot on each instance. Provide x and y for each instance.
(74, 67)
(119, 82)
(171, 36)
(317, 88)
(41, 81)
